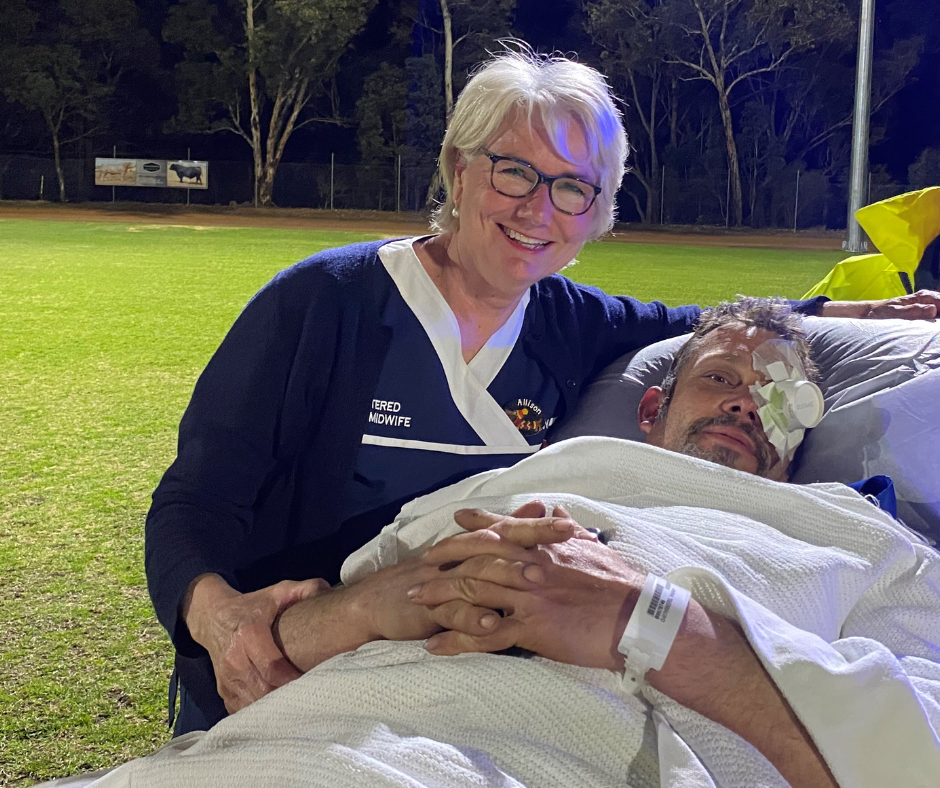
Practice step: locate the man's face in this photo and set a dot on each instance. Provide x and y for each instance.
(711, 413)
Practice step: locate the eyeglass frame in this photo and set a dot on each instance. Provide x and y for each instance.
(542, 178)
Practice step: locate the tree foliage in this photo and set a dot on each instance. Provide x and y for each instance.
(257, 68)
(64, 61)
(767, 81)
(726, 101)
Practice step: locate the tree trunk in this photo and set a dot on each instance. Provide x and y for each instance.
(255, 102)
(58, 165)
(266, 186)
(448, 59)
(653, 193)
(734, 169)
(674, 114)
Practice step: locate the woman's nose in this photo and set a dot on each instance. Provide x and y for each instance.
(537, 205)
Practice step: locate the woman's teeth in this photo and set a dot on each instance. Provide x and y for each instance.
(529, 243)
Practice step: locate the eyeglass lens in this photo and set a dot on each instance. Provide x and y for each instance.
(515, 179)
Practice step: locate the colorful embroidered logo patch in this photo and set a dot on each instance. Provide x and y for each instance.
(525, 415)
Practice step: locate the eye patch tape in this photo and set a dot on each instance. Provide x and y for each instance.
(789, 404)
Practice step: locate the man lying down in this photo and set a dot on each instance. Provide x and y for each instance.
(808, 653)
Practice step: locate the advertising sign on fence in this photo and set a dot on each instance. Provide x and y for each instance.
(115, 172)
(188, 174)
(152, 172)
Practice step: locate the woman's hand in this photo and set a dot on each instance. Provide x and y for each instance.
(569, 601)
(235, 629)
(922, 305)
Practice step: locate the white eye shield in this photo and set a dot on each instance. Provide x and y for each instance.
(789, 404)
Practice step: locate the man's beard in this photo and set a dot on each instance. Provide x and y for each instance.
(725, 455)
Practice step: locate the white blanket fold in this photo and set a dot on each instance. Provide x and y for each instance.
(840, 603)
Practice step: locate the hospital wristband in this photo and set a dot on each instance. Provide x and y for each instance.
(652, 627)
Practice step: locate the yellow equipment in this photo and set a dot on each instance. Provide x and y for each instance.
(906, 229)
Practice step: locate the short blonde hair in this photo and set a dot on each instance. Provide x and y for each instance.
(547, 88)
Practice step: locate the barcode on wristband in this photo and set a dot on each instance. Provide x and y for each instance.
(659, 606)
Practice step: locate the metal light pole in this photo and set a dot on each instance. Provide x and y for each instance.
(859, 175)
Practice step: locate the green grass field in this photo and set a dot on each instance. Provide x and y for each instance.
(103, 331)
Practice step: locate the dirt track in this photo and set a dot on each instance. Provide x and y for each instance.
(394, 224)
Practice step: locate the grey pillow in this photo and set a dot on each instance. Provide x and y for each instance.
(881, 384)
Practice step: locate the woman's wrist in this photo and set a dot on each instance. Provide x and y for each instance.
(204, 595)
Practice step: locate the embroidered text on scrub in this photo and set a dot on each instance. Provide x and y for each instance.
(789, 404)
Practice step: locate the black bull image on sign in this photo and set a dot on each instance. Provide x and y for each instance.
(193, 173)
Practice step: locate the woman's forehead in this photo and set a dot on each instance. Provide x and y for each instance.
(564, 138)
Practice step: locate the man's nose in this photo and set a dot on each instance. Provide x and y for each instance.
(742, 405)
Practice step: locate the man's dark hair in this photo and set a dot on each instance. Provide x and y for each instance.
(771, 314)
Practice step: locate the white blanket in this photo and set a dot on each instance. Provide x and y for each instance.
(840, 602)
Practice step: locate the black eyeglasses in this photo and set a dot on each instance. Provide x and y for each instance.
(516, 178)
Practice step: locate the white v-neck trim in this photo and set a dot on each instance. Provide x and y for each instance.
(467, 383)
(489, 360)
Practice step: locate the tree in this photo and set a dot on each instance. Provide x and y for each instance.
(629, 35)
(381, 113)
(64, 61)
(803, 113)
(457, 34)
(480, 24)
(728, 42)
(925, 171)
(254, 68)
(401, 114)
(461, 32)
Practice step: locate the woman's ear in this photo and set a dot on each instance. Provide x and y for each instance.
(650, 405)
(460, 167)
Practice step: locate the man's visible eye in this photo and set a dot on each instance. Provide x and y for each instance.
(718, 377)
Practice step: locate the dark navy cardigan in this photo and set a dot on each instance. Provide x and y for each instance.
(271, 435)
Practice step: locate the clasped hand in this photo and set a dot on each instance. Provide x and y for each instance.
(235, 629)
(516, 581)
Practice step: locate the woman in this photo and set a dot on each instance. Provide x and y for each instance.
(368, 375)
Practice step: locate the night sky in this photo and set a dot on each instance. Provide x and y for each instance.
(912, 117)
(915, 113)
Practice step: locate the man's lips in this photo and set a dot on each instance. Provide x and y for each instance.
(734, 436)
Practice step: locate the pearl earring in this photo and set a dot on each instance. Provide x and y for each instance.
(454, 212)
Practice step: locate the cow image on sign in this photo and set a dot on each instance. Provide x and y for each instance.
(115, 172)
(194, 173)
(184, 174)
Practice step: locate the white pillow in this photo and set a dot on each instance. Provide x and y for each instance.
(881, 384)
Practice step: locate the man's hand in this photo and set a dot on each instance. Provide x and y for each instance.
(235, 629)
(922, 305)
(528, 526)
(382, 600)
(569, 602)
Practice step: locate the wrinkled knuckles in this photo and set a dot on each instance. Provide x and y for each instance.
(467, 587)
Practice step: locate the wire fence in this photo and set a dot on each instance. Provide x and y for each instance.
(297, 185)
(793, 199)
